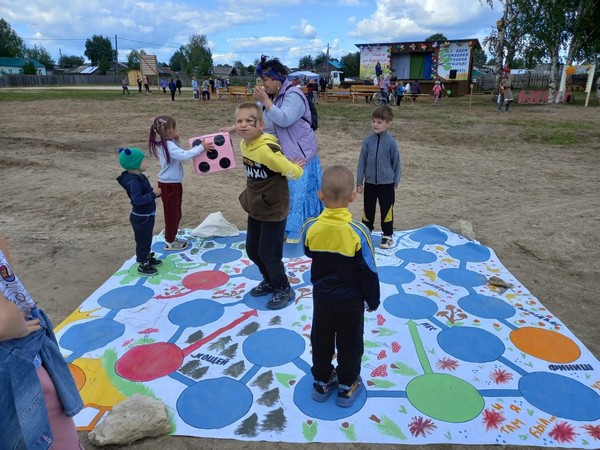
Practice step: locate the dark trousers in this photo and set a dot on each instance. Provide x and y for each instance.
(264, 245)
(173, 95)
(172, 196)
(143, 229)
(337, 325)
(385, 194)
(399, 99)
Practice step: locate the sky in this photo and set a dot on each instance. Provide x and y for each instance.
(242, 30)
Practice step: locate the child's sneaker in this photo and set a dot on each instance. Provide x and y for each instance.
(322, 391)
(386, 242)
(281, 298)
(347, 395)
(176, 245)
(263, 288)
(154, 262)
(144, 268)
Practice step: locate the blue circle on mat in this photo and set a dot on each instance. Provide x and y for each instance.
(560, 396)
(486, 307)
(84, 337)
(410, 306)
(395, 275)
(252, 273)
(470, 344)
(327, 410)
(195, 313)
(125, 297)
(223, 401)
(293, 250)
(228, 240)
(416, 255)
(221, 255)
(470, 252)
(429, 236)
(462, 277)
(273, 347)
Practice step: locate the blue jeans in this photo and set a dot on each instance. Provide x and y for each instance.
(143, 230)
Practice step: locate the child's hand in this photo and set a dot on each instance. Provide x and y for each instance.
(157, 192)
(360, 188)
(207, 145)
(299, 162)
(33, 325)
(230, 129)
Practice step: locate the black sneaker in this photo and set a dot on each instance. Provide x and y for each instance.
(281, 298)
(263, 288)
(154, 262)
(347, 395)
(144, 268)
(322, 391)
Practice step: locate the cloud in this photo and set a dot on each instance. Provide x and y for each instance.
(304, 30)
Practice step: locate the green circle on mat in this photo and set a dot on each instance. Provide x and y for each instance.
(445, 397)
(166, 266)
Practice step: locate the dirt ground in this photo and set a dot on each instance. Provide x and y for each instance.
(535, 204)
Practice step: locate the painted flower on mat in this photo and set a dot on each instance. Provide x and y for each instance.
(500, 376)
(492, 419)
(447, 364)
(563, 432)
(593, 431)
(422, 426)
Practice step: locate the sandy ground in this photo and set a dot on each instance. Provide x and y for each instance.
(536, 205)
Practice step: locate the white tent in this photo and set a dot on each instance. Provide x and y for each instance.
(301, 74)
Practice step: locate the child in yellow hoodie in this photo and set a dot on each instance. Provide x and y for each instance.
(266, 199)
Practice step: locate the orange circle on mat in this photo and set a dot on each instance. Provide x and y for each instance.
(544, 344)
(78, 375)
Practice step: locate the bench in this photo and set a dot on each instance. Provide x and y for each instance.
(239, 91)
(338, 94)
(362, 90)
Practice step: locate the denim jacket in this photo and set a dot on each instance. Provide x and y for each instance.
(23, 419)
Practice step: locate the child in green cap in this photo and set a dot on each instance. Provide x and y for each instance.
(143, 203)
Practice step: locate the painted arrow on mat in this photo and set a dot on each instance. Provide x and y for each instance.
(414, 334)
(196, 345)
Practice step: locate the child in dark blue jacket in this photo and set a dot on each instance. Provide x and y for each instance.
(143, 211)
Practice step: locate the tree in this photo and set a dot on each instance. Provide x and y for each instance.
(41, 55)
(29, 68)
(178, 60)
(306, 63)
(439, 37)
(241, 69)
(100, 52)
(480, 57)
(68, 62)
(351, 64)
(198, 57)
(321, 58)
(250, 68)
(133, 60)
(11, 44)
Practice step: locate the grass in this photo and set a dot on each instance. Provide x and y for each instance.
(33, 94)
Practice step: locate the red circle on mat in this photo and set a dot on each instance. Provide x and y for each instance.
(205, 280)
(149, 362)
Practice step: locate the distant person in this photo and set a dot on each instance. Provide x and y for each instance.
(39, 396)
(125, 85)
(415, 90)
(178, 84)
(164, 145)
(437, 92)
(163, 85)
(385, 87)
(378, 71)
(147, 85)
(344, 278)
(195, 88)
(143, 207)
(205, 90)
(378, 174)
(139, 83)
(399, 93)
(172, 89)
(211, 82)
(407, 90)
(266, 200)
(323, 84)
(505, 93)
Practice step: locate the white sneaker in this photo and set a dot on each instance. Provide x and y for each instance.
(386, 242)
(176, 245)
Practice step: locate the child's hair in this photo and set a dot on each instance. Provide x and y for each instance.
(159, 127)
(337, 183)
(253, 106)
(383, 112)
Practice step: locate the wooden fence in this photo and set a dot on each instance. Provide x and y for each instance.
(487, 82)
